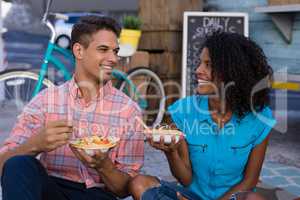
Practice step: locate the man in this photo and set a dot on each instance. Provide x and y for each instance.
(86, 105)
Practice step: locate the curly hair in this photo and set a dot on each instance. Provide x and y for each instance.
(237, 59)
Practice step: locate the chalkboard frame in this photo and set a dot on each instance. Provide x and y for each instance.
(185, 37)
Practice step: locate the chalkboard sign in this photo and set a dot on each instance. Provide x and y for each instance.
(196, 26)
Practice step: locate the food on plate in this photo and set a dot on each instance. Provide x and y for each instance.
(91, 143)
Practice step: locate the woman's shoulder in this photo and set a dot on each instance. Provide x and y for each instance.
(261, 124)
(264, 115)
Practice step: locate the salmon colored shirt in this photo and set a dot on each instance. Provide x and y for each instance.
(111, 112)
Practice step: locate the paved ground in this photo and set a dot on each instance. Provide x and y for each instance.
(282, 176)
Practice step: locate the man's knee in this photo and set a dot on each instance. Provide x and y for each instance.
(22, 175)
(139, 184)
(19, 164)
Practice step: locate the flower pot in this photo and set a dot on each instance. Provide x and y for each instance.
(130, 37)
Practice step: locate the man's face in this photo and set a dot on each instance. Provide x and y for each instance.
(99, 58)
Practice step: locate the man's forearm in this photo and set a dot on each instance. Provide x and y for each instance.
(115, 180)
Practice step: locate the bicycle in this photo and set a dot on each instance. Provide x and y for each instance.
(20, 85)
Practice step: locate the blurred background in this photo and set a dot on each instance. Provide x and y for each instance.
(273, 24)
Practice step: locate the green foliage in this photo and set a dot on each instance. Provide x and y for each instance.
(132, 22)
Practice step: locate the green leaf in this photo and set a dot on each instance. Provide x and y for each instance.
(132, 22)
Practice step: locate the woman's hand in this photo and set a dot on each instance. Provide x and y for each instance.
(167, 148)
(177, 156)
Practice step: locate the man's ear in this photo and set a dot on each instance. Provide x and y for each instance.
(77, 50)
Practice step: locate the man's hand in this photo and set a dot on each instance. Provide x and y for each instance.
(54, 135)
(115, 180)
(97, 161)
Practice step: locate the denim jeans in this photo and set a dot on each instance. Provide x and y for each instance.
(168, 191)
(25, 178)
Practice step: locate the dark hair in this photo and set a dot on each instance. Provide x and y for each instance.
(237, 59)
(88, 25)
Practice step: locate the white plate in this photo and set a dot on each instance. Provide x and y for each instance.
(90, 150)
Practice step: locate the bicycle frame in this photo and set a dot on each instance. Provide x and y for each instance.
(119, 75)
(56, 63)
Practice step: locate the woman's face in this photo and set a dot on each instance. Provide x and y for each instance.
(206, 84)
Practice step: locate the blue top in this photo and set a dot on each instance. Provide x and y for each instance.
(218, 156)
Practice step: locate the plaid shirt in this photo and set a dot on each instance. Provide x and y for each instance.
(111, 112)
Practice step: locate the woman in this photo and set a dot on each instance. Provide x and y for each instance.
(226, 125)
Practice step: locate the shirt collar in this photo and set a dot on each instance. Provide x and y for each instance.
(76, 93)
(203, 109)
(204, 113)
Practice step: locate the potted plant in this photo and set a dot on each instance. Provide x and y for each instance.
(131, 32)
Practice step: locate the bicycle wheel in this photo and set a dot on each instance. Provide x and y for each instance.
(148, 92)
(16, 89)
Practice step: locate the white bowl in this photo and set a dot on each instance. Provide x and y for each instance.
(167, 135)
(167, 138)
(90, 150)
